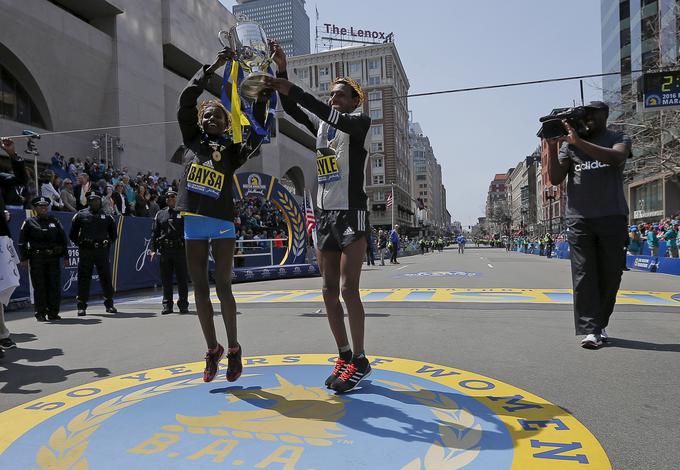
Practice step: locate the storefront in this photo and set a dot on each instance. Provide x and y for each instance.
(653, 198)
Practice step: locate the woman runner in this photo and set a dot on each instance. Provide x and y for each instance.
(205, 200)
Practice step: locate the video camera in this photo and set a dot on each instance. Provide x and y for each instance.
(554, 127)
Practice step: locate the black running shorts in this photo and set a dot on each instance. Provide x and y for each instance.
(336, 230)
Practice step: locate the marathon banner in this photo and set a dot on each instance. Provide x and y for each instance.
(654, 264)
(643, 263)
(268, 188)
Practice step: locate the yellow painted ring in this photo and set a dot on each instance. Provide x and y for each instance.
(543, 435)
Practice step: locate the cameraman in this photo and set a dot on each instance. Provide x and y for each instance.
(596, 216)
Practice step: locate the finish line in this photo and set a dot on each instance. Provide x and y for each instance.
(444, 295)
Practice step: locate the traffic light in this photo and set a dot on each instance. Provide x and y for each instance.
(31, 146)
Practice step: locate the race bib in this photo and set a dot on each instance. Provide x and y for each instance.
(327, 169)
(205, 181)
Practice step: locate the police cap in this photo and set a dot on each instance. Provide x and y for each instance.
(41, 201)
(170, 193)
(92, 195)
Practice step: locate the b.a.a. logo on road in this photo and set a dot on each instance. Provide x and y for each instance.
(409, 415)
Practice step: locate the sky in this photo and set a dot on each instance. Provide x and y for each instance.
(449, 44)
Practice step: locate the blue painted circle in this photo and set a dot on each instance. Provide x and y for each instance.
(377, 426)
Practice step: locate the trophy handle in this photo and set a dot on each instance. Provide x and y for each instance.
(223, 37)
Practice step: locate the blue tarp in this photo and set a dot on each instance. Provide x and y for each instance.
(644, 262)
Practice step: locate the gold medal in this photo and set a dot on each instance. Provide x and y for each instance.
(216, 155)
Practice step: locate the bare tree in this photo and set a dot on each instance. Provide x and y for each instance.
(655, 134)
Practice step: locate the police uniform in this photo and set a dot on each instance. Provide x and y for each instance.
(43, 242)
(167, 238)
(94, 233)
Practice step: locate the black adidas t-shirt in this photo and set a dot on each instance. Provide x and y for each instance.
(594, 189)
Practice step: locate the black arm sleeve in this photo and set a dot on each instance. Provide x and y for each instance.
(23, 241)
(63, 242)
(74, 233)
(293, 110)
(187, 112)
(112, 229)
(349, 123)
(18, 178)
(155, 233)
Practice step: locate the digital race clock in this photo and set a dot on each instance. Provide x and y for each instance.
(660, 90)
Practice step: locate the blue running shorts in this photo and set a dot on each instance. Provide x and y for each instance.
(197, 227)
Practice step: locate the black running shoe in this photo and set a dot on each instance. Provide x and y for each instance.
(81, 312)
(355, 372)
(7, 343)
(340, 366)
(234, 365)
(111, 309)
(53, 316)
(40, 317)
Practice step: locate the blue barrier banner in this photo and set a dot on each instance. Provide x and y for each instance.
(131, 267)
(669, 266)
(562, 250)
(662, 248)
(642, 262)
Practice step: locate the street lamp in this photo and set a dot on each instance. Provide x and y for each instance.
(550, 194)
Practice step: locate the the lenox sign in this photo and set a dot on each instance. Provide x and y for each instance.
(359, 33)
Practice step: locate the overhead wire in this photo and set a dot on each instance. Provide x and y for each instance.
(411, 95)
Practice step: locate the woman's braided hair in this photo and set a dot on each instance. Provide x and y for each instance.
(357, 90)
(212, 104)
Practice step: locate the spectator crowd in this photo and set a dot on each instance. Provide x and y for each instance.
(666, 230)
(66, 182)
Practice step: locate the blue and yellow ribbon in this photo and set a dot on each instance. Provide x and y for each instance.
(241, 113)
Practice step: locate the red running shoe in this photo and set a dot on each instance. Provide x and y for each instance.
(234, 365)
(212, 363)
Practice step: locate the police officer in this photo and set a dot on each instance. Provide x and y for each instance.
(93, 232)
(167, 238)
(42, 242)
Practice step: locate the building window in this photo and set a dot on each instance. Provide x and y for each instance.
(324, 72)
(377, 130)
(374, 80)
(378, 196)
(375, 113)
(378, 179)
(15, 104)
(375, 96)
(376, 147)
(355, 69)
(323, 86)
(377, 163)
(302, 74)
(373, 64)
